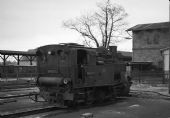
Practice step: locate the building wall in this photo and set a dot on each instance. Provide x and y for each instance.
(151, 55)
(147, 45)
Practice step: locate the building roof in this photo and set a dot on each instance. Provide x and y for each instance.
(150, 26)
(125, 56)
(9, 52)
(125, 53)
(167, 48)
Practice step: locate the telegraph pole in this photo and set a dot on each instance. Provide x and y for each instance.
(169, 49)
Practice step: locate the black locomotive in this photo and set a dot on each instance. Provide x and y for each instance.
(70, 73)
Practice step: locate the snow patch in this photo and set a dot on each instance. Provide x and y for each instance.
(112, 112)
(135, 105)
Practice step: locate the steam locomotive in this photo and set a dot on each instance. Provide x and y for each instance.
(69, 74)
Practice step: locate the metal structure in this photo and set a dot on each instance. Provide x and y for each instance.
(147, 73)
(70, 73)
(16, 70)
(4, 54)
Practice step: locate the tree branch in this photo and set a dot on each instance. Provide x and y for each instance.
(106, 23)
(102, 26)
(91, 34)
(110, 33)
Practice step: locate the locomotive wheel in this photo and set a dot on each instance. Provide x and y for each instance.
(60, 99)
(114, 93)
(125, 90)
(99, 96)
(89, 98)
(70, 103)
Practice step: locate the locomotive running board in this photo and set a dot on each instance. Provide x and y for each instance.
(29, 111)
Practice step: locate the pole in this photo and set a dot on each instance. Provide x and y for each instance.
(168, 74)
(169, 71)
(169, 53)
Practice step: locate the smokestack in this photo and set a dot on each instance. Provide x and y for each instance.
(113, 49)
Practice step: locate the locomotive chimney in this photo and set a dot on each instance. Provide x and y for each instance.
(113, 50)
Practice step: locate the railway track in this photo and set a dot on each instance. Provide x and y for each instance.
(9, 87)
(49, 109)
(14, 98)
(30, 111)
(19, 89)
(11, 105)
(19, 95)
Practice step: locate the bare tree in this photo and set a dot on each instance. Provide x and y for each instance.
(103, 28)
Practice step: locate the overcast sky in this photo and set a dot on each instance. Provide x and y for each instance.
(27, 24)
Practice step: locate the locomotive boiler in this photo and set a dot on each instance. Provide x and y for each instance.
(69, 74)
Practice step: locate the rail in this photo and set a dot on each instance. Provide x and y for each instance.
(30, 111)
(21, 95)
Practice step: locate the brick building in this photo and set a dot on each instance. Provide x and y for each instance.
(148, 40)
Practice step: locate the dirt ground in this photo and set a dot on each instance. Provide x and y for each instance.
(160, 88)
(147, 101)
(127, 108)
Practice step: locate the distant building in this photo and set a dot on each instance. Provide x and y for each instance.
(26, 62)
(148, 40)
(23, 63)
(125, 56)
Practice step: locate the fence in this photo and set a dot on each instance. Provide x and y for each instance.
(151, 77)
(8, 72)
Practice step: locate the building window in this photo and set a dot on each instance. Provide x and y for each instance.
(148, 40)
(156, 38)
